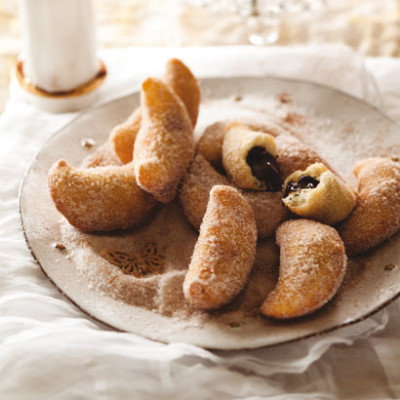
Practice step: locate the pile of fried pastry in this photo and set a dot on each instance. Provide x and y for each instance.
(241, 182)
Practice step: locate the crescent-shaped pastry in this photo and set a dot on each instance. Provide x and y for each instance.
(249, 159)
(376, 216)
(224, 252)
(312, 267)
(164, 146)
(181, 80)
(99, 199)
(195, 191)
(319, 194)
(211, 141)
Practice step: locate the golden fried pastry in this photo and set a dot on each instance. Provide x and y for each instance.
(210, 143)
(312, 267)
(123, 136)
(319, 194)
(102, 157)
(99, 199)
(249, 159)
(376, 216)
(164, 146)
(268, 210)
(294, 155)
(181, 80)
(195, 190)
(224, 252)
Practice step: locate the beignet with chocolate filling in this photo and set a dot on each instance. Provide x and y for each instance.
(249, 159)
(319, 194)
(211, 141)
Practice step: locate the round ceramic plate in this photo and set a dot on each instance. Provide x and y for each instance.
(341, 128)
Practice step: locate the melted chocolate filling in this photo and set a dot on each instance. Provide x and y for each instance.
(304, 182)
(265, 168)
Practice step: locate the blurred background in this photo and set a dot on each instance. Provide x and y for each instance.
(371, 27)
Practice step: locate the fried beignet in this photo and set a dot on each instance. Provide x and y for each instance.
(164, 146)
(317, 193)
(181, 80)
(294, 155)
(210, 142)
(99, 199)
(249, 159)
(312, 267)
(224, 252)
(376, 216)
(123, 136)
(195, 190)
(268, 210)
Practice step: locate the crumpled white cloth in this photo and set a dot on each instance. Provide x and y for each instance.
(51, 350)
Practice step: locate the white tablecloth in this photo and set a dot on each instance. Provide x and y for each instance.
(51, 350)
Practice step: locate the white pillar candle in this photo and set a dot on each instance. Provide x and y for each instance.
(59, 47)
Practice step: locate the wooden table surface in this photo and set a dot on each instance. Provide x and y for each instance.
(369, 26)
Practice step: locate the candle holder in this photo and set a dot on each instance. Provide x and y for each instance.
(59, 70)
(62, 101)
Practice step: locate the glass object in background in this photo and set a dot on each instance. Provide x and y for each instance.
(263, 16)
(262, 19)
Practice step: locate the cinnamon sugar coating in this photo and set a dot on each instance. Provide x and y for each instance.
(224, 252)
(210, 143)
(164, 146)
(181, 80)
(195, 190)
(99, 199)
(268, 210)
(123, 136)
(312, 267)
(294, 155)
(376, 216)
